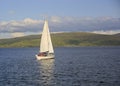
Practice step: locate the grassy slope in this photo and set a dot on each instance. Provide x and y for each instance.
(65, 39)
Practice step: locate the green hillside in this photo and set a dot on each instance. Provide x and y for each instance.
(64, 39)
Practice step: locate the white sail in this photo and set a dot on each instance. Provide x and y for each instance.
(50, 46)
(46, 44)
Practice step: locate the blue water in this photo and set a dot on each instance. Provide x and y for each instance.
(79, 66)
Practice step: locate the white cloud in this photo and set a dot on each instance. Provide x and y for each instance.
(55, 19)
(3, 23)
(31, 21)
(109, 32)
(57, 24)
(26, 25)
(17, 34)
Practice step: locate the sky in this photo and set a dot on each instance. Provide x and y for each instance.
(25, 17)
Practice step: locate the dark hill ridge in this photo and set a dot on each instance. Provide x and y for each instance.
(64, 39)
(118, 34)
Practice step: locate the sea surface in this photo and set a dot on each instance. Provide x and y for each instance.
(72, 66)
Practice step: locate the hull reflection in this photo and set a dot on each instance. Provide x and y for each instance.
(46, 71)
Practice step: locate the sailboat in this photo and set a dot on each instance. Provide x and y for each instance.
(46, 47)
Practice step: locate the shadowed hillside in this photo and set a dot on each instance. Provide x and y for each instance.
(64, 39)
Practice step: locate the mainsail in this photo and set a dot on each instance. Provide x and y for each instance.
(46, 43)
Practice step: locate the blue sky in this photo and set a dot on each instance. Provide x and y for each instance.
(20, 9)
(16, 15)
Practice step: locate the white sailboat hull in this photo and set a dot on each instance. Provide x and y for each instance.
(44, 57)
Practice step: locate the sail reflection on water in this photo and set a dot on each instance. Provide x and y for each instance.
(46, 71)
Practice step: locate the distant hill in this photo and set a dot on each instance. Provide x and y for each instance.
(118, 34)
(64, 39)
